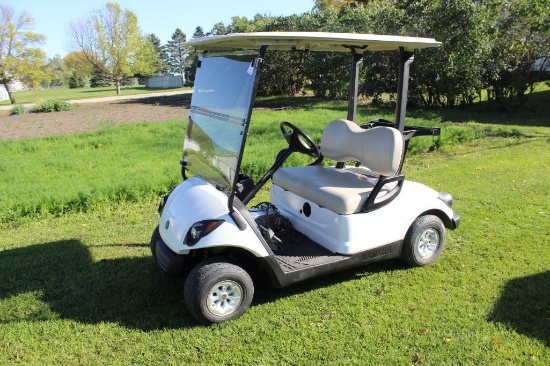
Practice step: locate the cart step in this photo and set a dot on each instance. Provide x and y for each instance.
(297, 252)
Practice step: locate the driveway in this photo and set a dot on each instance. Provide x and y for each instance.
(109, 99)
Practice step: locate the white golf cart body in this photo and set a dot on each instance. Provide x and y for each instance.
(334, 223)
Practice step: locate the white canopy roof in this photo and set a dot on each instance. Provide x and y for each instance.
(312, 41)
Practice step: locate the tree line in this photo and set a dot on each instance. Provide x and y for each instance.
(500, 47)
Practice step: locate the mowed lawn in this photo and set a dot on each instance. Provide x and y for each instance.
(82, 287)
(33, 96)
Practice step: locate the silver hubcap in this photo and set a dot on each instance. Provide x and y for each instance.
(428, 243)
(224, 298)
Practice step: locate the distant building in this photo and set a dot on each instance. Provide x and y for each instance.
(15, 85)
(3, 93)
(164, 81)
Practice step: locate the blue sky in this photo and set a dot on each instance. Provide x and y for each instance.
(160, 17)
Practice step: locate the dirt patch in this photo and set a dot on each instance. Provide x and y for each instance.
(94, 116)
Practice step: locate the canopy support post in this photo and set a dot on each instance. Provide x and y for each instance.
(353, 92)
(406, 58)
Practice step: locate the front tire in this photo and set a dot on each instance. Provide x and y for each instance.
(216, 291)
(424, 241)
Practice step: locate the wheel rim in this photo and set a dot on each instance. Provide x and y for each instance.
(428, 243)
(224, 298)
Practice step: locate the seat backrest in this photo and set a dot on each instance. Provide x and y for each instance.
(380, 148)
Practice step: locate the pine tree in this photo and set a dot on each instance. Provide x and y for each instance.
(76, 81)
(177, 55)
(161, 67)
(191, 68)
(100, 78)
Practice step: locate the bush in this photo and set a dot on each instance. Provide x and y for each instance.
(18, 109)
(52, 106)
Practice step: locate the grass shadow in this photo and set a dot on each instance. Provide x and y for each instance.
(298, 102)
(533, 113)
(265, 293)
(274, 103)
(525, 306)
(123, 89)
(176, 101)
(129, 291)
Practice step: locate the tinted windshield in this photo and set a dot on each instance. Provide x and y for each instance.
(218, 119)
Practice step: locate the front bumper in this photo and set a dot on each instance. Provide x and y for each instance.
(168, 261)
(456, 220)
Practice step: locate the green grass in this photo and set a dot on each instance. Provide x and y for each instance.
(83, 288)
(78, 172)
(78, 284)
(34, 96)
(68, 173)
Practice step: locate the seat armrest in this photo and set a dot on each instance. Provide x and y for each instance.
(372, 204)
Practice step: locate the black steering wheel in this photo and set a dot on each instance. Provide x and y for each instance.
(298, 140)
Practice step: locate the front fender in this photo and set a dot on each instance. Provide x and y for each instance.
(196, 200)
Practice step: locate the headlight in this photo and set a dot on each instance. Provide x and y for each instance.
(200, 229)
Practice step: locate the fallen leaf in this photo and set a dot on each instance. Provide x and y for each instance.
(447, 340)
(416, 357)
(405, 334)
(496, 342)
(423, 331)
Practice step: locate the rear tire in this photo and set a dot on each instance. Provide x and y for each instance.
(216, 291)
(424, 241)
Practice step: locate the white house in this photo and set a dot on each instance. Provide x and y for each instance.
(164, 81)
(15, 85)
(3, 93)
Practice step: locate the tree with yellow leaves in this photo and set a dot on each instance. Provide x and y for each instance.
(19, 60)
(111, 41)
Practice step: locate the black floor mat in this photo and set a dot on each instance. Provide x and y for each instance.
(298, 252)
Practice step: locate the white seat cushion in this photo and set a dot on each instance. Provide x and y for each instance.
(340, 190)
(345, 191)
(380, 148)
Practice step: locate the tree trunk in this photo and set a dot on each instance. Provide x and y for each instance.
(10, 95)
(117, 86)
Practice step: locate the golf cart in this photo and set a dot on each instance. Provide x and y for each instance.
(320, 218)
